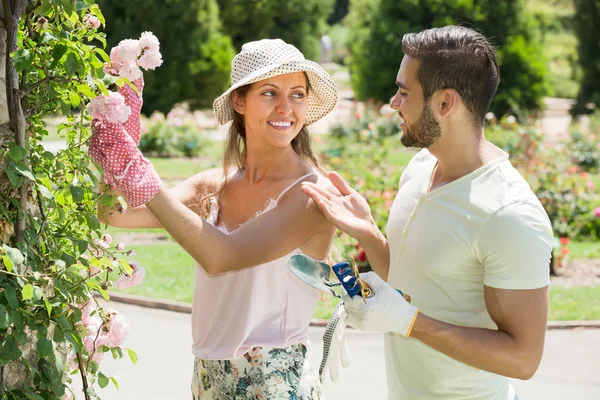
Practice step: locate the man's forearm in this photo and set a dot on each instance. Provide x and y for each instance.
(491, 350)
(378, 252)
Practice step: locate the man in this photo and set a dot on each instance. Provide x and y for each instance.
(466, 237)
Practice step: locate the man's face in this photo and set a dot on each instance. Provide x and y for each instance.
(419, 126)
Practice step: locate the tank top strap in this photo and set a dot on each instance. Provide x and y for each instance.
(292, 185)
(225, 178)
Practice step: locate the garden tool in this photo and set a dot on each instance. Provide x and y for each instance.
(318, 275)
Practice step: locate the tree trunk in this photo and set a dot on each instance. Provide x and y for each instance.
(12, 129)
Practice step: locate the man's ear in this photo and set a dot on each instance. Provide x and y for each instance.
(238, 102)
(448, 101)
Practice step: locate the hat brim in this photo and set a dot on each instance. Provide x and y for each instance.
(322, 96)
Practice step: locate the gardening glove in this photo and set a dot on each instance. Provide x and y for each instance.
(386, 311)
(123, 163)
(335, 349)
(134, 101)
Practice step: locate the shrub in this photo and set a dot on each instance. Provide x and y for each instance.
(177, 135)
(298, 22)
(377, 27)
(197, 54)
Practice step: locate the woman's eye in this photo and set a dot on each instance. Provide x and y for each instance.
(403, 93)
(299, 95)
(269, 93)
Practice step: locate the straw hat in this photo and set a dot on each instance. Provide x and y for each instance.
(267, 58)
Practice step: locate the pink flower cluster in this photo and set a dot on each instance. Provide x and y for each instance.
(597, 212)
(136, 278)
(111, 108)
(129, 55)
(108, 330)
(91, 21)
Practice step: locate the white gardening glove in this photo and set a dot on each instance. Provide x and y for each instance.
(386, 311)
(335, 349)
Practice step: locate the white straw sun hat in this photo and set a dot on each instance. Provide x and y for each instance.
(267, 58)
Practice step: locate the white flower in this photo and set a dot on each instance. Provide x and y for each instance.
(511, 119)
(149, 42)
(490, 116)
(150, 60)
(130, 70)
(129, 50)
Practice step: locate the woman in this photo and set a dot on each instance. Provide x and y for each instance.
(250, 314)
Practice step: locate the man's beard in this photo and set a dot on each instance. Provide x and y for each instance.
(424, 132)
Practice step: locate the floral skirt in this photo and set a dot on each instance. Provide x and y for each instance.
(260, 374)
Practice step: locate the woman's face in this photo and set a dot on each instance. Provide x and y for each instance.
(274, 109)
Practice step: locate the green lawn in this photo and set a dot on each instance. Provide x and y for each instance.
(169, 272)
(170, 275)
(574, 303)
(584, 249)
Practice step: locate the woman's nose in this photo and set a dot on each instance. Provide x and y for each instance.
(284, 107)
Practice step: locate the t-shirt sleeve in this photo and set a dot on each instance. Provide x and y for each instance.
(515, 246)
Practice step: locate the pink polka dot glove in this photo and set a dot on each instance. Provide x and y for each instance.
(134, 101)
(114, 147)
(124, 165)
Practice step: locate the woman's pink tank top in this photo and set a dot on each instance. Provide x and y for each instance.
(265, 305)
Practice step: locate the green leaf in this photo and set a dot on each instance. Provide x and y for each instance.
(20, 336)
(27, 291)
(102, 380)
(57, 53)
(74, 99)
(59, 336)
(67, 6)
(45, 347)
(4, 317)
(7, 263)
(17, 153)
(74, 338)
(132, 355)
(77, 193)
(114, 381)
(126, 267)
(22, 59)
(11, 296)
(82, 246)
(104, 294)
(12, 177)
(45, 192)
(107, 200)
(64, 323)
(15, 255)
(48, 307)
(9, 349)
(72, 63)
(47, 37)
(86, 90)
(38, 293)
(24, 170)
(116, 352)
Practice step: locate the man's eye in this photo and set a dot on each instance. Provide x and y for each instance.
(403, 93)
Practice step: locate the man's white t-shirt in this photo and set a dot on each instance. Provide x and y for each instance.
(486, 228)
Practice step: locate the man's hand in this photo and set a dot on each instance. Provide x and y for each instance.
(344, 207)
(386, 311)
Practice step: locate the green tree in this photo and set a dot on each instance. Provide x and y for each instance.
(377, 28)
(298, 22)
(587, 16)
(197, 55)
(51, 261)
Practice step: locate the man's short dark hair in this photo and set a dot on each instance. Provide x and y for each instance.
(459, 58)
